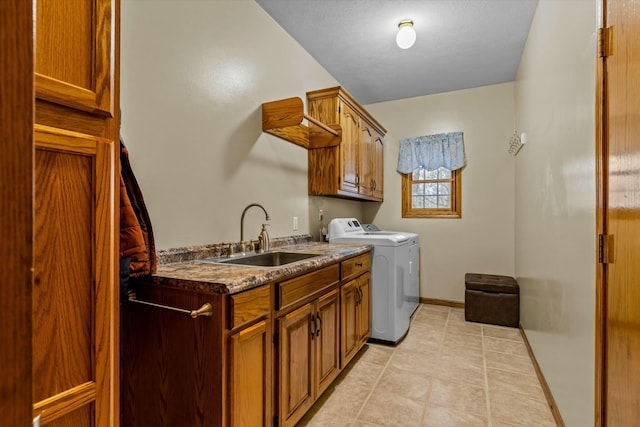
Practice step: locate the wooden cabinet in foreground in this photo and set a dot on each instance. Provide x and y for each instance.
(75, 324)
(354, 168)
(355, 308)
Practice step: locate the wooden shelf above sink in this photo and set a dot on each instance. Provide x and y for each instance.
(283, 119)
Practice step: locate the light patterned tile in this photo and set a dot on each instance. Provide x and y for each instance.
(426, 332)
(445, 370)
(520, 410)
(377, 354)
(360, 372)
(512, 382)
(465, 328)
(433, 307)
(420, 343)
(410, 384)
(473, 355)
(461, 397)
(431, 317)
(457, 316)
(409, 360)
(439, 416)
(505, 346)
(509, 362)
(465, 340)
(388, 409)
(345, 400)
(324, 418)
(502, 332)
(460, 370)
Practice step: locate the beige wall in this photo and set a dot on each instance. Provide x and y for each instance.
(194, 74)
(555, 200)
(482, 240)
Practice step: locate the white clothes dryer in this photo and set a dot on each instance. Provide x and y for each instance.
(395, 275)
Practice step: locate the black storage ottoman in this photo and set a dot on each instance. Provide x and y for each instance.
(493, 299)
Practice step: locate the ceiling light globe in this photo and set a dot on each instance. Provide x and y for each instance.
(406, 36)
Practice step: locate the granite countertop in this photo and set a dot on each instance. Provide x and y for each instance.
(193, 275)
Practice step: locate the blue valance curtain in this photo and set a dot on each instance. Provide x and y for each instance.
(432, 152)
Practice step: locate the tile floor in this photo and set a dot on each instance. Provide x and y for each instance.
(446, 372)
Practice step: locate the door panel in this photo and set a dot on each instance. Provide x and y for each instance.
(250, 376)
(349, 148)
(349, 339)
(327, 342)
(74, 298)
(73, 61)
(622, 216)
(366, 156)
(296, 364)
(364, 308)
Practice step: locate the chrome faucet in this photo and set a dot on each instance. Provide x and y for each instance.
(266, 217)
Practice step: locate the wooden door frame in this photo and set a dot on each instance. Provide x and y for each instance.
(16, 212)
(601, 205)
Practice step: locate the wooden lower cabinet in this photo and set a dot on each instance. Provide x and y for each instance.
(355, 316)
(250, 376)
(308, 355)
(263, 358)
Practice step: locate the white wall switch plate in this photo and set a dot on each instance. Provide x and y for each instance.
(295, 223)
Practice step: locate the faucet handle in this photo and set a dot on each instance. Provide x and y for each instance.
(229, 246)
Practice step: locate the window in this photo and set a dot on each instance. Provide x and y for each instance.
(432, 194)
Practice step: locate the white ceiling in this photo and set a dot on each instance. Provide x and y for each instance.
(460, 43)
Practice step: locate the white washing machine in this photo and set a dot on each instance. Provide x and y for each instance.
(395, 275)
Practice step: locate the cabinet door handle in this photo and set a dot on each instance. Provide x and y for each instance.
(358, 264)
(357, 180)
(313, 326)
(357, 290)
(319, 325)
(360, 293)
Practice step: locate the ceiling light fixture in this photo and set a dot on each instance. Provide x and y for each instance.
(406, 36)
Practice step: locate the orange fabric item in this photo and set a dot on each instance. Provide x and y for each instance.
(136, 234)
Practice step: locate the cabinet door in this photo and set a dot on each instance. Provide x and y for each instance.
(349, 148)
(349, 340)
(74, 298)
(364, 309)
(366, 157)
(327, 341)
(74, 54)
(296, 358)
(250, 376)
(378, 167)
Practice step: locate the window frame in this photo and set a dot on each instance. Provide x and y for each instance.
(455, 211)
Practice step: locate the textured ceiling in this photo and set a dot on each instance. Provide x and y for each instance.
(460, 43)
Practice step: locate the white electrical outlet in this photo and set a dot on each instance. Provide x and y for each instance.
(295, 223)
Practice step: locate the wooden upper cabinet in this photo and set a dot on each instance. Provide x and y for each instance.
(74, 54)
(351, 169)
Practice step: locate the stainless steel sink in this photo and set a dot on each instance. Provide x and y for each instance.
(267, 259)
